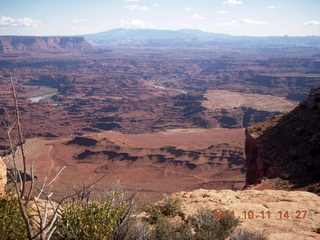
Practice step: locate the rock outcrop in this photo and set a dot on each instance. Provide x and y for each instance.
(280, 214)
(18, 44)
(3, 175)
(286, 145)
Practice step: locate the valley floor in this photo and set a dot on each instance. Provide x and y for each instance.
(166, 162)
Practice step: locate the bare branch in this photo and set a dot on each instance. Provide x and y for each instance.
(57, 175)
(32, 183)
(17, 115)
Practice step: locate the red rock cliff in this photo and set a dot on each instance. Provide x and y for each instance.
(288, 143)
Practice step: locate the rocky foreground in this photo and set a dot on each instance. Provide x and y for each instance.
(280, 214)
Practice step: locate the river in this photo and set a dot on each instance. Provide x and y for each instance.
(42, 97)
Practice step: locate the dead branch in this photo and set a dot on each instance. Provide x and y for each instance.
(17, 116)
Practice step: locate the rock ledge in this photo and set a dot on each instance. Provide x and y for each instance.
(276, 225)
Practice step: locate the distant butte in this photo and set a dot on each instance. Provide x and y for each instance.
(15, 44)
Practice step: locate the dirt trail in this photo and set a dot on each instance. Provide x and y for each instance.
(51, 160)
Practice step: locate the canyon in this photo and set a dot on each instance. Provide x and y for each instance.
(110, 102)
(199, 117)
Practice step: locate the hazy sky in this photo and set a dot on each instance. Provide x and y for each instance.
(236, 17)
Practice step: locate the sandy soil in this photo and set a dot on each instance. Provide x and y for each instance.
(222, 99)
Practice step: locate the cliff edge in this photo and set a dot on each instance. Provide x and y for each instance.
(286, 145)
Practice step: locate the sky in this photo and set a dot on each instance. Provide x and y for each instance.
(235, 17)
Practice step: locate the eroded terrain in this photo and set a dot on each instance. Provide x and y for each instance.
(152, 163)
(122, 99)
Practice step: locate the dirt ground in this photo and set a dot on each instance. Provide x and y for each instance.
(149, 178)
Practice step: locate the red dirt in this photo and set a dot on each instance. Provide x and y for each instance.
(148, 176)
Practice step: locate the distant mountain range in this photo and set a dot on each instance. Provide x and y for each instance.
(122, 36)
(145, 38)
(122, 33)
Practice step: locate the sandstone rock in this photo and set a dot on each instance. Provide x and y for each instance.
(3, 175)
(280, 214)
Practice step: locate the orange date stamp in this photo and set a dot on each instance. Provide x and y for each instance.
(250, 214)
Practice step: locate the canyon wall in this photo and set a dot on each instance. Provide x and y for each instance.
(18, 44)
(286, 145)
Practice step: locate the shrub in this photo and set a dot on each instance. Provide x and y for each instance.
(206, 227)
(11, 222)
(169, 207)
(94, 220)
(201, 226)
(285, 176)
(248, 235)
(127, 225)
(312, 188)
(110, 217)
(138, 230)
(165, 229)
(152, 211)
(282, 183)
